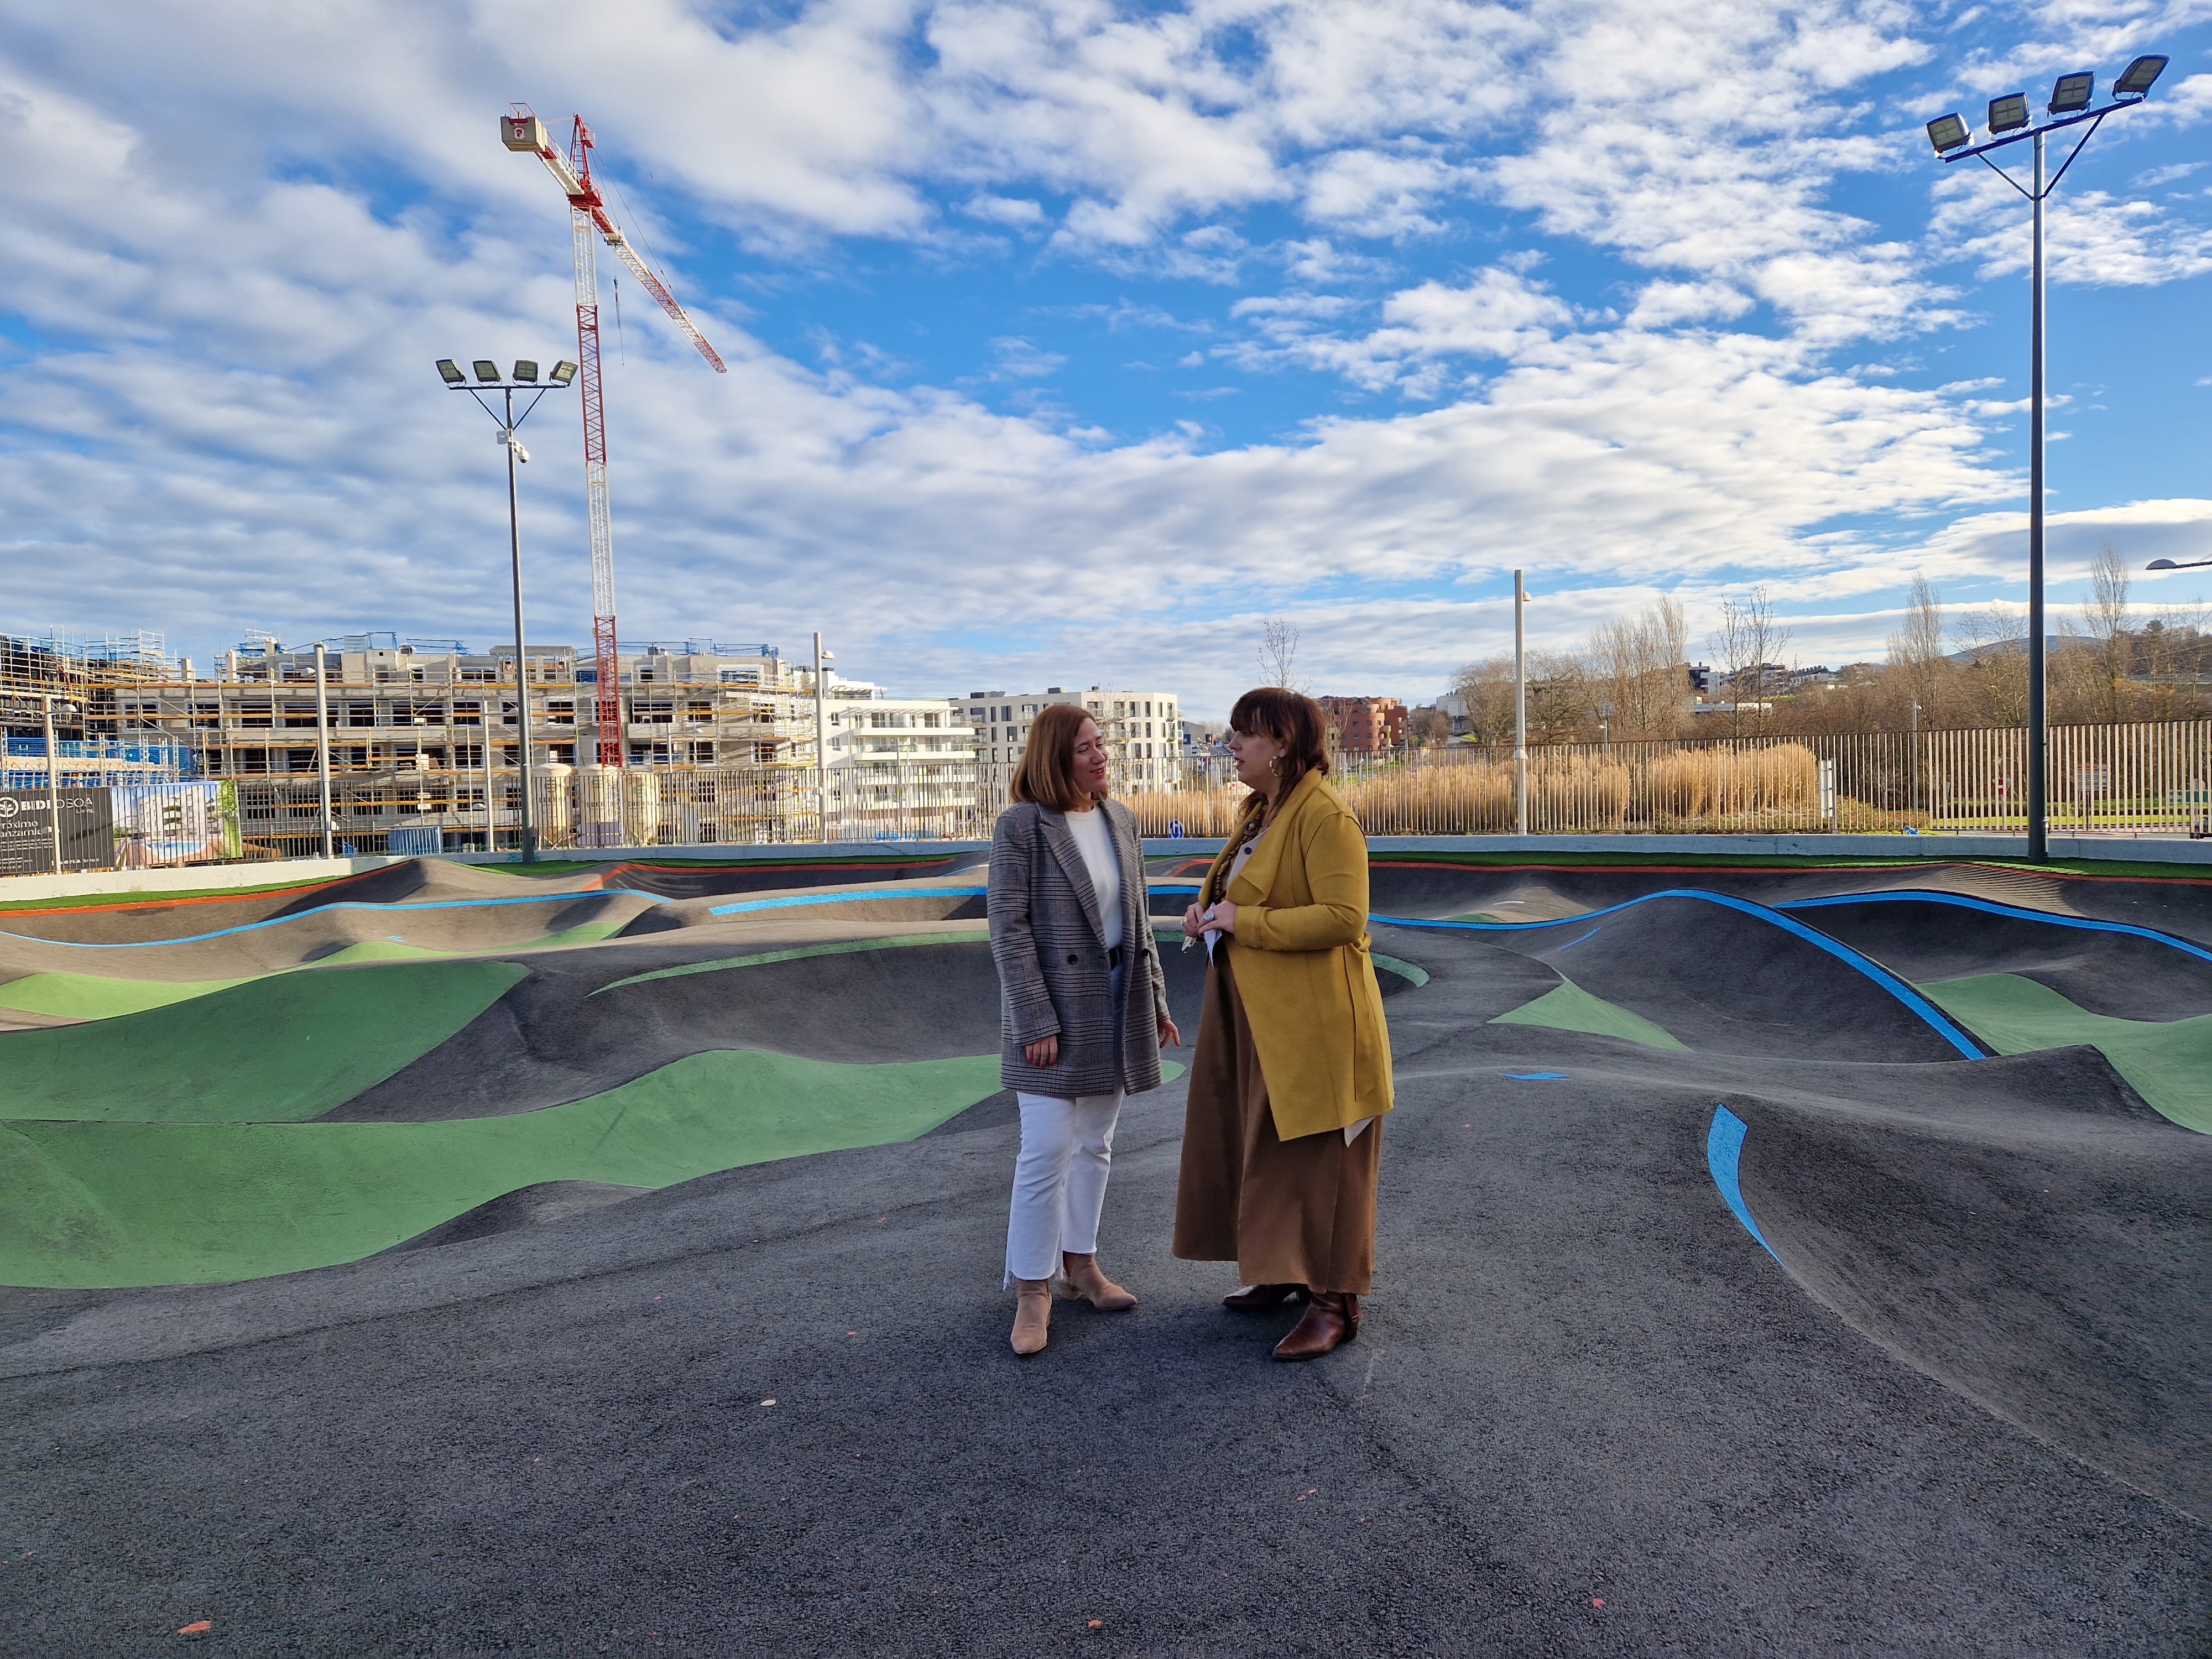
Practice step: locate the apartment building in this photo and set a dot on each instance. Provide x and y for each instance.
(1366, 725)
(1142, 729)
(895, 765)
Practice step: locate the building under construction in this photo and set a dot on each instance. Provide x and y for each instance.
(422, 742)
(70, 689)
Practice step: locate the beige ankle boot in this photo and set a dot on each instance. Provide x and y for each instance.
(1085, 1280)
(1032, 1314)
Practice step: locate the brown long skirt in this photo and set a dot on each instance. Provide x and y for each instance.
(1285, 1211)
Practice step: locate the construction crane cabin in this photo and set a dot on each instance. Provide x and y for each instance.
(588, 224)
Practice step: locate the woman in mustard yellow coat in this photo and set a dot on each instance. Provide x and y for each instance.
(1281, 1139)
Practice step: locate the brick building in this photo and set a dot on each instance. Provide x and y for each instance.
(1362, 726)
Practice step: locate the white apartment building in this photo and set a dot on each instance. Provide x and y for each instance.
(1143, 731)
(895, 765)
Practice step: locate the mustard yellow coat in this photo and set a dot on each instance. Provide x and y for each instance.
(1300, 954)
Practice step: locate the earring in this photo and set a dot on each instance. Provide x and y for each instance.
(1276, 766)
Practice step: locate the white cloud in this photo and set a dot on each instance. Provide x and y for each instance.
(1498, 314)
(233, 229)
(2091, 238)
(1004, 210)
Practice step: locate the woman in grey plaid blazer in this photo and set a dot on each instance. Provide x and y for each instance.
(1082, 1005)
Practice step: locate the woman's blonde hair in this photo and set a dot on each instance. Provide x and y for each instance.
(1045, 773)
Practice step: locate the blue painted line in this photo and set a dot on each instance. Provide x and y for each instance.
(1723, 1154)
(349, 904)
(1536, 1076)
(803, 899)
(1571, 943)
(1925, 1011)
(1989, 907)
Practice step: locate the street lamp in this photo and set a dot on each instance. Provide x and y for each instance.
(489, 378)
(2072, 103)
(2169, 564)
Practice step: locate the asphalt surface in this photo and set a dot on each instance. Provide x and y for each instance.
(1962, 1413)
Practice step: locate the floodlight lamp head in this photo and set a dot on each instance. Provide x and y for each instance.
(525, 371)
(2072, 93)
(1947, 133)
(487, 371)
(2008, 113)
(562, 374)
(2137, 78)
(450, 372)
(2161, 564)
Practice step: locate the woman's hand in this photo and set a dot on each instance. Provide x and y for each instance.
(1170, 1037)
(1045, 1051)
(1193, 922)
(1224, 917)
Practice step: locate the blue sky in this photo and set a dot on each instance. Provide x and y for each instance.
(1069, 341)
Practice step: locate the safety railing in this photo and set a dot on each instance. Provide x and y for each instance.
(2149, 778)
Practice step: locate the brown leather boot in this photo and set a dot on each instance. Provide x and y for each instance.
(1086, 1281)
(1250, 1296)
(1032, 1315)
(1332, 1319)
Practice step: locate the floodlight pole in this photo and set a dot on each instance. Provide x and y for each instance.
(528, 834)
(563, 375)
(1520, 707)
(2038, 726)
(2039, 730)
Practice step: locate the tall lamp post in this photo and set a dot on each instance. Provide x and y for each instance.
(489, 379)
(1520, 707)
(2073, 101)
(2170, 565)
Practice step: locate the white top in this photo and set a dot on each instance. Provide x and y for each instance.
(1094, 837)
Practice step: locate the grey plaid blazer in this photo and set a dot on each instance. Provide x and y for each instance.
(1054, 977)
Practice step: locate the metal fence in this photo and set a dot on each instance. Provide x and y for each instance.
(2150, 777)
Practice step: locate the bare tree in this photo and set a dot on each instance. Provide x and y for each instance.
(1994, 681)
(1916, 649)
(1638, 666)
(1485, 689)
(1749, 643)
(2104, 620)
(1279, 654)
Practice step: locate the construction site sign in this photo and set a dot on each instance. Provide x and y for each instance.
(26, 831)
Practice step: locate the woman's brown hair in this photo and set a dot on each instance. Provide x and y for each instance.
(1046, 774)
(1292, 719)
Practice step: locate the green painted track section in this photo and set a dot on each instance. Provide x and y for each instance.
(96, 996)
(281, 1049)
(2167, 1062)
(1411, 973)
(1567, 1007)
(843, 947)
(98, 1205)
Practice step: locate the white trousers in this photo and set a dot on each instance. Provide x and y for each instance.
(1059, 1181)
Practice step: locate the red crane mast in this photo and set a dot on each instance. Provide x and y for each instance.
(589, 224)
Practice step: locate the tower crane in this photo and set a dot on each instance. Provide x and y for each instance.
(588, 221)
